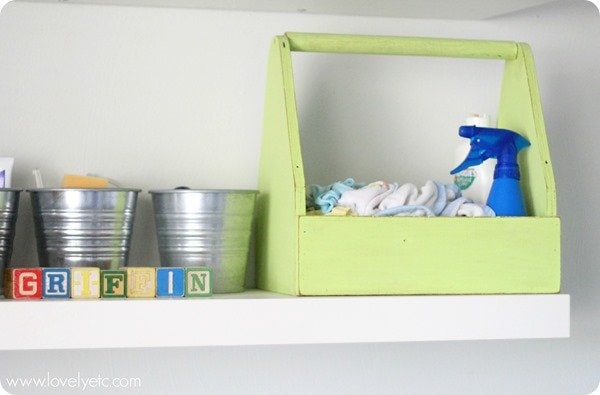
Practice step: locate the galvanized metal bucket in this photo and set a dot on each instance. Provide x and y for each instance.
(83, 227)
(9, 207)
(206, 228)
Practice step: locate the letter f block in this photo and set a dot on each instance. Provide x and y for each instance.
(113, 283)
(141, 282)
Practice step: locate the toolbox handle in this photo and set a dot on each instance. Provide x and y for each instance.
(408, 46)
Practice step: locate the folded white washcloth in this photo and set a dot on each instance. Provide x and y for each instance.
(365, 200)
(432, 199)
(407, 211)
(464, 207)
(409, 195)
(475, 210)
(406, 194)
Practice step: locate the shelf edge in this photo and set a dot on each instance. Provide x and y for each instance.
(260, 318)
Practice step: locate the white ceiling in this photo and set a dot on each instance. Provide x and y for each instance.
(435, 9)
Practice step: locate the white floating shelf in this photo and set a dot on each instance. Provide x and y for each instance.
(263, 318)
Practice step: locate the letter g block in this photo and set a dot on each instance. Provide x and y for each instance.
(23, 283)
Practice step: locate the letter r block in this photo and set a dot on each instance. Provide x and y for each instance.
(56, 282)
(85, 282)
(198, 281)
(170, 282)
(141, 282)
(23, 283)
(113, 283)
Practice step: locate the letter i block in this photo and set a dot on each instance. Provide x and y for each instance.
(113, 283)
(56, 282)
(85, 282)
(198, 281)
(141, 282)
(25, 283)
(170, 281)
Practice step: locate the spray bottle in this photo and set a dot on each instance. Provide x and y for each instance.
(506, 197)
(474, 182)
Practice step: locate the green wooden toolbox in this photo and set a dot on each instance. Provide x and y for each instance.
(297, 254)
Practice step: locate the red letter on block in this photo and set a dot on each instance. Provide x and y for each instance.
(27, 284)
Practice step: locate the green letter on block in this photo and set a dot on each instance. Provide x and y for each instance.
(198, 281)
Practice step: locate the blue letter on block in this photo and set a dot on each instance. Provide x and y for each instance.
(56, 283)
(170, 281)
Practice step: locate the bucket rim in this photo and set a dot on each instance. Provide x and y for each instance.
(205, 191)
(36, 190)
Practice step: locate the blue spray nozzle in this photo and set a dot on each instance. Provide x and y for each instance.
(486, 143)
(505, 197)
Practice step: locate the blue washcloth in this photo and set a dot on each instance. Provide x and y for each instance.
(325, 198)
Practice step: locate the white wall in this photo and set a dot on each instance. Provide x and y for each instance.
(163, 97)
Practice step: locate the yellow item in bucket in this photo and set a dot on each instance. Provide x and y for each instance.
(77, 181)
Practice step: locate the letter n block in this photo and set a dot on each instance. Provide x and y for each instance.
(113, 283)
(56, 282)
(23, 283)
(198, 281)
(85, 282)
(170, 282)
(141, 282)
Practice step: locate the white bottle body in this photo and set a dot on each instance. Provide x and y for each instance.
(6, 166)
(476, 181)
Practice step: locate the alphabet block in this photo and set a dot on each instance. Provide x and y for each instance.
(85, 282)
(198, 281)
(113, 283)
(23, 283)
(170, 282)
(56, 282)
(141, 282)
